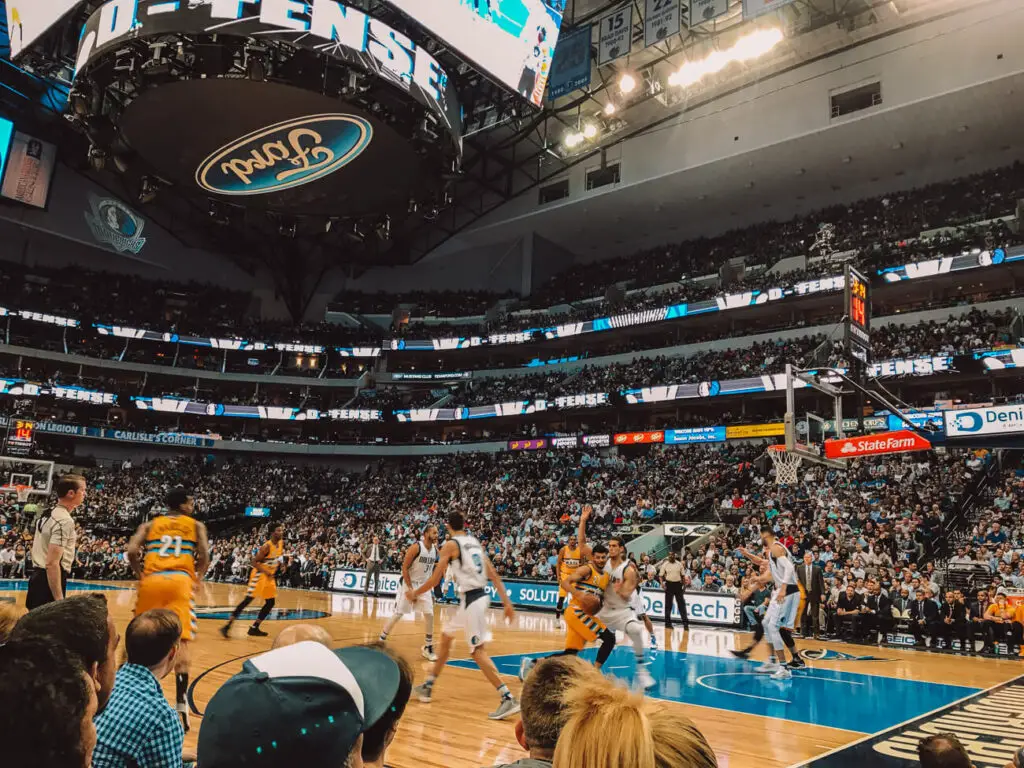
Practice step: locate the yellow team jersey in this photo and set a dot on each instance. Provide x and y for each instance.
(596, 581)
(571, 560)
(171, 545)
(274, 557)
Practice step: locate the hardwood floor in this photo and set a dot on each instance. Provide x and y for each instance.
(749, 720)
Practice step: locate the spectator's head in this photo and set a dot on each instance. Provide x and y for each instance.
(152, 640)
(672, 556)
(600, 555)
(9, 615)
(84, 627)
(380, 735)
(301, 633)
(950, 597)
(943, 750)
(303, 705)
(850, 591)
(47, 705)
(544, 711)
(677, 742)
(179, 500)
(71, 491)
(808, 558)
(606, 725)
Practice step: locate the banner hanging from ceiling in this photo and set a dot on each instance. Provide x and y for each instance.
(616, 34)
(661, 21)
(754, 8)
(570, 69)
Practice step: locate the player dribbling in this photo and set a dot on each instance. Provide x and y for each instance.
(417, 567)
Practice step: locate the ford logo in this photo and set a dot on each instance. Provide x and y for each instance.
(285, 155)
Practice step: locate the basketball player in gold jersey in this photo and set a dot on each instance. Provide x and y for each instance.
(262, 582)
(581, 627)
(176, 556)
(569, 560)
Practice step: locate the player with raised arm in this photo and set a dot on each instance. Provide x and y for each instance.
(176, 556)
(585, 586)
(783, 608)
(616, 612)
(418, 566)
(262, 582)
(471, 570)
(569, 560)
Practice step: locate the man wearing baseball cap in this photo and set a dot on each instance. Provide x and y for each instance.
(302, 705)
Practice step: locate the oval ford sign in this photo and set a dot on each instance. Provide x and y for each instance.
(285, 155)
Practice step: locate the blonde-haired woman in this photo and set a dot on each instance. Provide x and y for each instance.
(611, 727)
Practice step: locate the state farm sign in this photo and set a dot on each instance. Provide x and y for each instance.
(900, 441)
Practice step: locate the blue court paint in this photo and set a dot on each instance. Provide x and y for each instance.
(223, 613)
(21, 585)
(818, 696)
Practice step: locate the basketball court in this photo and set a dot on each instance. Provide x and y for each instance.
(846, 697)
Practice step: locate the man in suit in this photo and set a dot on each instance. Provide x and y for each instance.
(877, 616)
(924, 612)
(813, 582)
(953, 615)
(373, 554)
(901, 611)
(976, 617)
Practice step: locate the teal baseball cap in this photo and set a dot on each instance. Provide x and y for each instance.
(302, 705)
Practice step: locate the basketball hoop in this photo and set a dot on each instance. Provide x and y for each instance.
(786, 464)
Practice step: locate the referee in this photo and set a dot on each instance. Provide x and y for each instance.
(53, 544)
(671, 571)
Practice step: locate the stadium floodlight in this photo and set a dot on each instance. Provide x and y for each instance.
(609, 108)
(748, 47)
(627, 83)
(573, 140)
(589, 131)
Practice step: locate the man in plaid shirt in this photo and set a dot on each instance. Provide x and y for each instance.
(138, 728)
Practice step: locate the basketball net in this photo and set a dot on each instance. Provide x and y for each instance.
(786, 464)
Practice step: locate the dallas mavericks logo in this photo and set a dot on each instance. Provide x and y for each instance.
(285, 155)
(114, 223)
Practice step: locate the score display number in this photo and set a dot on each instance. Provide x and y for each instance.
(858, 315)
(21, 437)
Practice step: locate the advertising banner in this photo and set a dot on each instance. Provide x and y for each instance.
(695, 435)
(776, 429)
(901, 441)
(565, 442)
(637, 438)
(537, 444)
(570, 69)
(597, 441)
(701, 607)
(29, 171)
(997, 420)
(616, 34)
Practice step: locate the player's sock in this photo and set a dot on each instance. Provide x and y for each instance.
(504, 692)
(429, 642)
(180, 686)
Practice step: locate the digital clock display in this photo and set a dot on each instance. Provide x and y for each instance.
(858, 315)
(22, 432)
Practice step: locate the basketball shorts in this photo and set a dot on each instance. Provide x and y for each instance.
(580, 628)
(784, 615)
(261, 586)
(636, 602)
(173, 590)
(470, 618)
(424, 603)
(617, 619)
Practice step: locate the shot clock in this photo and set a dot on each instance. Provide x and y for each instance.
(858, 316)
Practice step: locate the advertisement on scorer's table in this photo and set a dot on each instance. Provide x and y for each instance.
(701, 607)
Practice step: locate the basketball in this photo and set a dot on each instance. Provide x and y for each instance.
(590, 604)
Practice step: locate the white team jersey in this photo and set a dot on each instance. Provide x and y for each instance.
(782, 568)
(468, 569)
(612, 600)
(423, 565)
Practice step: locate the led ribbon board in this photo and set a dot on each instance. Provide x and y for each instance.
(304, 148)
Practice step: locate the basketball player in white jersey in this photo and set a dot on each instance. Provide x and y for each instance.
(785, 605)
(417, 566)
(617, 613)
(471, 570)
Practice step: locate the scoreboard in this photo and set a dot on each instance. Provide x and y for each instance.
(21, 437)
(858, 316)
